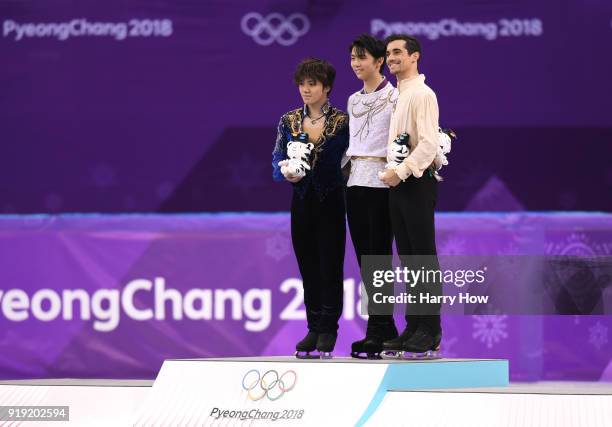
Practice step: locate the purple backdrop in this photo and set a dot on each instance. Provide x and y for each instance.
(171, 106)
(155, 106)
(249, 258)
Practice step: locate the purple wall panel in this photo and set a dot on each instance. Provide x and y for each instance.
(121, 262)
(98, 120)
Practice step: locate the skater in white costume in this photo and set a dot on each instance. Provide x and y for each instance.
(367, 197)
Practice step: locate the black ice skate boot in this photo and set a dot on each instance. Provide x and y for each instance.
(392, 349)
(325, 344)
(380, 329)
(423, 344)
(304, 348)
(357, 348)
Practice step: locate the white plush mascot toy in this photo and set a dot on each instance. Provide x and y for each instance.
(446, 137)
(298, 151)
(400, 148)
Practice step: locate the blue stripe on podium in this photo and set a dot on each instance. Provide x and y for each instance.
(423, 375)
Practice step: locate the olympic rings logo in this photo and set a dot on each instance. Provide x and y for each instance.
(269, 385)
(275, 28)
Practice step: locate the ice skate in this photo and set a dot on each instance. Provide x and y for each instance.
(422, 345)
(325, 345)
(371, 346)
(392, 349)
(305, 348)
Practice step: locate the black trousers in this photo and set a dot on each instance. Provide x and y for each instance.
(411, 205)
(318, 233)
(367, 210)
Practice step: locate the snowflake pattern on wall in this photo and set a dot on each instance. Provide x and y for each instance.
(579, 244)
(277, 246)
(509, 248)
(490, 329)
(598, 335)
(453, 246)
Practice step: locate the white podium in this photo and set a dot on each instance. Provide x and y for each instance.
(288, 391)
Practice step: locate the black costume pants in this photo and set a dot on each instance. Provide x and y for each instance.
(411, 205)
(318, 232)
(367, 211)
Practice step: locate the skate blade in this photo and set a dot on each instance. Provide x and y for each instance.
(390, 354)
(306, 355)
(326, 355)
(356, 355)
(366, 356)
(428, 355)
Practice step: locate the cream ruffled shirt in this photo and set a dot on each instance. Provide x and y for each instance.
(416, 113)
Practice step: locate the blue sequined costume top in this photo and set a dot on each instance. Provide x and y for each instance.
(325, 174)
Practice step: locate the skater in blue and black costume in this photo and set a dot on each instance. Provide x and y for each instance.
(308, 153)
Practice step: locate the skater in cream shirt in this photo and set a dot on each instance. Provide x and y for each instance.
(416, 113)
(413, 193)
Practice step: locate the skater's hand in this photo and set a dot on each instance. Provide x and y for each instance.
(289, 176)
(289, 172)
(389, 177)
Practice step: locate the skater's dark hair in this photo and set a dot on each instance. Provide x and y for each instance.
(412, 44)
(316, 69)
(372, 45)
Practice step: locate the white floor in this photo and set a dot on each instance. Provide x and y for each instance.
(494, 409)
(113, 402)
(91, 402)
